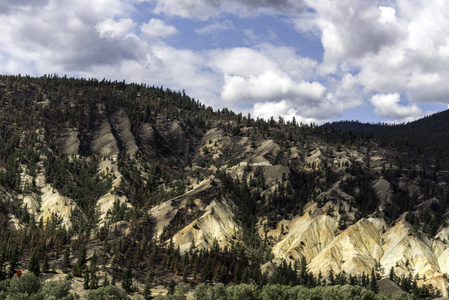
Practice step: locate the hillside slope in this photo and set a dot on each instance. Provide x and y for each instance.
(152, 180)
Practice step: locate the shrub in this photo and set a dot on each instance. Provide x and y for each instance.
(106, 293)
(59, 289)
(28, 283)
(243, 291)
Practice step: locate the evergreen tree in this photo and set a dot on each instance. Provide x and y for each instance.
(45, 265)
(303, 270)
(2, 264)
(34, 265)
(146, 290)
(86, 280)
(331, 277)
(13, 260)
(391, 275)
(364, 282)
(113, 279)
(171, 287)
(81, 263)
(373, 282)
(67, 256)
(93, 271)
(127, 280)
(105, 279)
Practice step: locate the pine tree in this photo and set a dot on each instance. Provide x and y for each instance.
(113, 279)
(303, 270)
(391, 276)
(86, 280)
(34, 266)
(67, 256)
(184, 275)
(81, 263)
(331, 277)
(364, 283)
(373, 282)
(320, 277)
(45, 265)
(127, 280)
(93, 271)
(105, 279)
(2, 263)
(146, 291)
(171, 287)
(14, 260)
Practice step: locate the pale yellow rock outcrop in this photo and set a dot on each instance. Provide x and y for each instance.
(306, 236)
(124, 131)
(53, 203)
(217, 223)
(354, 251)
(401, 247)
(104, 143)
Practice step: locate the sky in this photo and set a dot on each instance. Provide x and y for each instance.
(315, 60)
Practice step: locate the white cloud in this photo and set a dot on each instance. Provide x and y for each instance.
(68, 41)
(205, 9)
(241, 61)
(269, 86)
(111, 29)
(387, 105)
(352, 29)
(156, 28)
(215, 27)
(270, 109)
(252, 38)
(282, 109)
(370, 48)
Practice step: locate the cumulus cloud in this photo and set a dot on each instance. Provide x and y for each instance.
(283, 109)
(205, 9)
(352, 29)
(387, 105)
(270, 109)
(80, 35)
(111, 29)
(242, 61)
(156, 28)
(370, 48)
(7, 6)
(269, 86)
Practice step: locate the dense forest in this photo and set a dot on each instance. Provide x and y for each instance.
(89, 167)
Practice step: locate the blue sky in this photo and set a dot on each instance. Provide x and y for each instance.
(316, 60)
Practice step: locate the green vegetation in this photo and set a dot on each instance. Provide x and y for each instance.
(28, 286)
(332, 170)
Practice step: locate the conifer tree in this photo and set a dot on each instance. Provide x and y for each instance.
(373, 282)
(67, 256)
(93, 271)
(127, 280)
(331, 276)
(86, 280)
(146, 290)
(13, 260)
(171, 287)
(105, 279)
(34, 265)
(81, 263)
(391, 276)
(45, 265)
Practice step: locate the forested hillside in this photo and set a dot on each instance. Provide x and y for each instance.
(107, 183)
(427, 134)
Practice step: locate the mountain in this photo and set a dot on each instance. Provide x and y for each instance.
(430, 132)
(148, 187)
